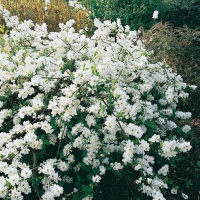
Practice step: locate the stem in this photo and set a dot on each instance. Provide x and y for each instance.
(113, 114)
(55, 78)
(34, 158)
(60, 142)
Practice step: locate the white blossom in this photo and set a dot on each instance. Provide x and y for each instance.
(155, 14)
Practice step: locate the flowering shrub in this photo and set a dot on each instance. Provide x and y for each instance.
(73, 108)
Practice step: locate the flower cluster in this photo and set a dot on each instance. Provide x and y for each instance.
(74, 107)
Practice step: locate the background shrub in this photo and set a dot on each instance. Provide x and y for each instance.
(57, 12)
(134, 13)
(183, 12)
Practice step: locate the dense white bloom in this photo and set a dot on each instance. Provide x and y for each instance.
(56, 190)
(71, 103)
(134, 130)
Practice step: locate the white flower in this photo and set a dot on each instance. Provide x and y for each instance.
(173, 191)
(154, 138)
(1, 104)
(155, 14)
(170, 125)
(90, 120)
(110, 123)
(102, 169)
(36, 80)
(164, 170)
(78, 142)
(170, 94)
(193, 87)
(24, 187)
(48, 196)
(128, 152)
(68, 179)
(46, 169)
(2, 182)
(184, 196)
(134, 130)
(183, 115)
(186, 128)
(14, 179)
(88, 198)
(94, 80)
(63, 166)
(26, 173)
(16, 195)
(96, 178)
(117, 166)
(56, 190)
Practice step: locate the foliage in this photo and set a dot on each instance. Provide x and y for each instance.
(183, 12)
(180, 48)
(74, 108)
(134, 13)
(53, 13)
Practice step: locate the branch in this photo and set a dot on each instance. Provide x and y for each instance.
(34, 158)
(60, 142)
